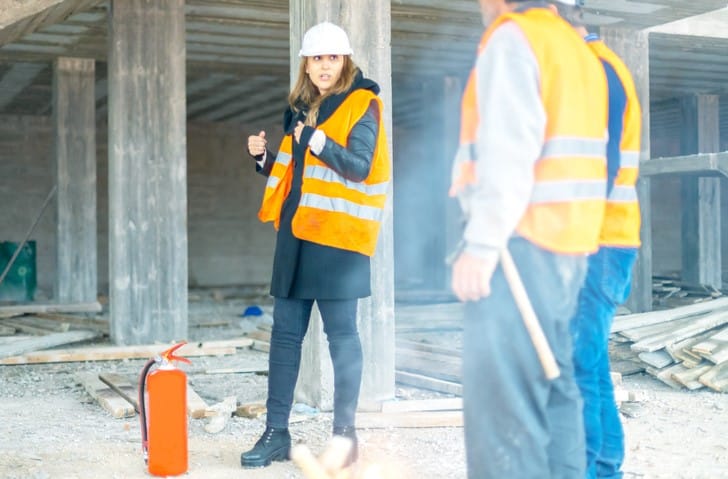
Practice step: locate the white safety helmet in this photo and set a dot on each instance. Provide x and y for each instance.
(573, 3)
(325, 38)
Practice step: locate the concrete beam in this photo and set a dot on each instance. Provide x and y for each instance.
(22, 17)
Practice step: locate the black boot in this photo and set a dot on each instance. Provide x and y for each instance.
(273, 445)
(349, 432)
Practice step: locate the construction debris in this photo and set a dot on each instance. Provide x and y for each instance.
(219, 414)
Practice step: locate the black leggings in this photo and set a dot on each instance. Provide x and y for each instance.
(290, 322)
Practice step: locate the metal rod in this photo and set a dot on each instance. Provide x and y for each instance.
(30, 232)
(118, 391)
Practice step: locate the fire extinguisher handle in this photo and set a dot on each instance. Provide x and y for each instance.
(170, 356)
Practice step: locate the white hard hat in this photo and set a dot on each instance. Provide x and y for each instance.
(325, 38)
(573, 3)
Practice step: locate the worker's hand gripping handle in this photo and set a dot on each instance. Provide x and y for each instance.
(545, 355)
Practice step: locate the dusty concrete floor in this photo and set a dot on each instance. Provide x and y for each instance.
(50, 427)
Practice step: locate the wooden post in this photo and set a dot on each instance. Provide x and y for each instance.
(75, 156)
(633, 47)
(147, 171)
(367, 22)
(701, 228)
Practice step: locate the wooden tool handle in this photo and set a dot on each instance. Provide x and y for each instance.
(545, 355)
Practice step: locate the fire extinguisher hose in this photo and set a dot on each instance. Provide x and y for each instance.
(142, 404)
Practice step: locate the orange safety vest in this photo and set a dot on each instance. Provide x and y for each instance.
(333, 211)
(622, 217)
(567, 203)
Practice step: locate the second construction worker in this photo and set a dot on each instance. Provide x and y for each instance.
(609, 273)
(531, 176)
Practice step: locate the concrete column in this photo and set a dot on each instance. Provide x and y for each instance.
(367, 23)
(701, 220)
(633, 47)
(147, 171)
(75, 159)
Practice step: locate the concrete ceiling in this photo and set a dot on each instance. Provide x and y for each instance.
(235, 47)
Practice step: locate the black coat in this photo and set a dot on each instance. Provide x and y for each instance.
(306, 270)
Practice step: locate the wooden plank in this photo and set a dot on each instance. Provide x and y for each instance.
(117, 406)
(14, 338)
(626, 367)
(665, 374)
(677, 350)
(716, 378)
(420, 405)
(631, 321)
(427, 348)
(196, 406)
(375, 420)
(427, 382)
(43, 342)
(259, 335)
(689, 377)
(434, 365)
(101, 325)
(712, 343)
(121, 386)
(32, 308)
(638, 334)
(696, 327)
(718, 355)
(657, 359)
(261, 346)
(107, 353)
(32, 325)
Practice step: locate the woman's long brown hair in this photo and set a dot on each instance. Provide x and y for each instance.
(305, 93)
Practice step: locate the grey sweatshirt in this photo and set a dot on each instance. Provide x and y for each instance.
(509, 140)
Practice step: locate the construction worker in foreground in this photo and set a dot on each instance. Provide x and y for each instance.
(531, 176)
(609, 272)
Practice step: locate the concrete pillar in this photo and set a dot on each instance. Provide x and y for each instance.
(147, 171)
(75, 159)
(367, 23)
(701, 220)
(633, 47)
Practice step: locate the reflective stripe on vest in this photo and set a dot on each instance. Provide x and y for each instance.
(340, 205)
(567, 203)
(622, 219)
(330, 176)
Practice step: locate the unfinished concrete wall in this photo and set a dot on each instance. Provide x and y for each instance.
(227, 243)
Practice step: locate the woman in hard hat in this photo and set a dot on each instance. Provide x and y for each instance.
(325, 193)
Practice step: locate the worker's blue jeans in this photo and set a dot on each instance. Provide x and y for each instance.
(290, 322)
(607, 285)
(518, 424)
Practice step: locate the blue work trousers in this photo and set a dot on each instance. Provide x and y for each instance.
(290, 322)
(606, 286)
(518, 424)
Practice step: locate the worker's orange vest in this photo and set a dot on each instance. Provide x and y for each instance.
(333, 211)
(622, 217)
(567, 203)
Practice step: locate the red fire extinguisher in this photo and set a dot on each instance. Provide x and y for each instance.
(163, 414)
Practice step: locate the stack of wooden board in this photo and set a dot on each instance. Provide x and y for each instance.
(685, 347)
